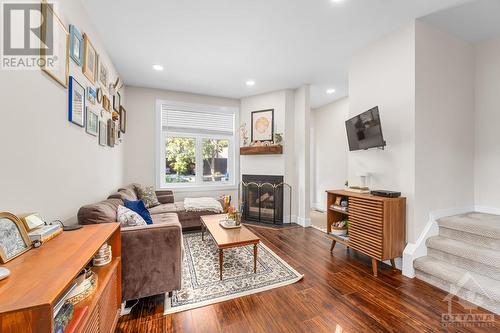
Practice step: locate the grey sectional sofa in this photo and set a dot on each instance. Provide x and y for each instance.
(152, 254)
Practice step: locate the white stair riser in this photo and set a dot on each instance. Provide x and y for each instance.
(469, 238)
(467, 264)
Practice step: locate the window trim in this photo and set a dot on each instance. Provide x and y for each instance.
(199, 185)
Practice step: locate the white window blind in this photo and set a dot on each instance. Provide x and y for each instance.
(175, 120)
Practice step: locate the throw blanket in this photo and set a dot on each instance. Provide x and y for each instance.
(202, 204)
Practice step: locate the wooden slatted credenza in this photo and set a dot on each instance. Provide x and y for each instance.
(377, 225)
(40, 276)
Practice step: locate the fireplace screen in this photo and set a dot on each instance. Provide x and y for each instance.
(265, 199)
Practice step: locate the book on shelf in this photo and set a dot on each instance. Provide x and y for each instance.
(337, 207)
(77, 318)
(63, 299)
(358, 189)
(64, 317)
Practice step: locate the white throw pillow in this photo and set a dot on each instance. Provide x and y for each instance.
(129, 218)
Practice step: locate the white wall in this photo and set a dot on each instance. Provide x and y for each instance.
(50, 165)
(444, 124)
(329, 150)
(487, 149)
(141, 134)
(383, 74)
(264, 164)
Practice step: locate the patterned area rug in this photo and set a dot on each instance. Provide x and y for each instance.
(200, 276)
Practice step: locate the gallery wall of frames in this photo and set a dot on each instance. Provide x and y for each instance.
(94, 98)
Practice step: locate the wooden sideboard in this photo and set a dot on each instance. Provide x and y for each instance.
(377, 225)
(40, 276)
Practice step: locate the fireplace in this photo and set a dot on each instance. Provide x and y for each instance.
(262, 198)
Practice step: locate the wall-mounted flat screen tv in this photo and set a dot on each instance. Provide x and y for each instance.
(364, 131)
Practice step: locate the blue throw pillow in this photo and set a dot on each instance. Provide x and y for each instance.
(139, 208)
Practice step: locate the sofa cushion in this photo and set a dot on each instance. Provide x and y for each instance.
(170, 218)
(129, 218)
(148, 195)
(189, 220)
(167, 208)
(101, 212)
(165, 196)
(139, 207)
(125, 193)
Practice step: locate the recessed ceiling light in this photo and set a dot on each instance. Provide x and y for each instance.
(250, 83)
(337, 1)
(330, 91)
(158, 68)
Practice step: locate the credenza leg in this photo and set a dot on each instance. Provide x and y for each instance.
(375, 267)
(333, 245)
(393, 264)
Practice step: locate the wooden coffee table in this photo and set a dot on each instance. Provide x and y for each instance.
(229, 238)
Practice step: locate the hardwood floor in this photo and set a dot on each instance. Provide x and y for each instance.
(338, 294)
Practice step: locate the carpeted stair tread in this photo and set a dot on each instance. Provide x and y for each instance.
(470, 296)
(478, 254)
(459, 277)
(482, 224)
(467, 264)
(476, 240)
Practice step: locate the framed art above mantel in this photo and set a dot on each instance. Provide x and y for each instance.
(262, 125)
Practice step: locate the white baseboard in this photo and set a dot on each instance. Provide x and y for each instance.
(487, 210)
(319, 207)
(302, 221)
(418, 249)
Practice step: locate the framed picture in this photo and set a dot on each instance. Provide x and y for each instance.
(91, 95)
(14, 239)
(111, 133)
(123, 120)
(102, 133)
(262, 125)
(76, 107)
(92, 124)
(103, 75)
(89, 59)
(105, 103)
(98, 96)
(54, 62)
(76, 45)
(117, 99)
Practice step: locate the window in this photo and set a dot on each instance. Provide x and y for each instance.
(196, 145)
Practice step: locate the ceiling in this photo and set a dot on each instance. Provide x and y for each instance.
(213, 47)
(473, 21)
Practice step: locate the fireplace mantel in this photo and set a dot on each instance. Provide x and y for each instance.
(262, 150)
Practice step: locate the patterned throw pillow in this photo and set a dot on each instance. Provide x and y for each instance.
(129, 218)
(148, 195)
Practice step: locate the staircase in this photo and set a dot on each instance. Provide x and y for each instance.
(464, 259)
